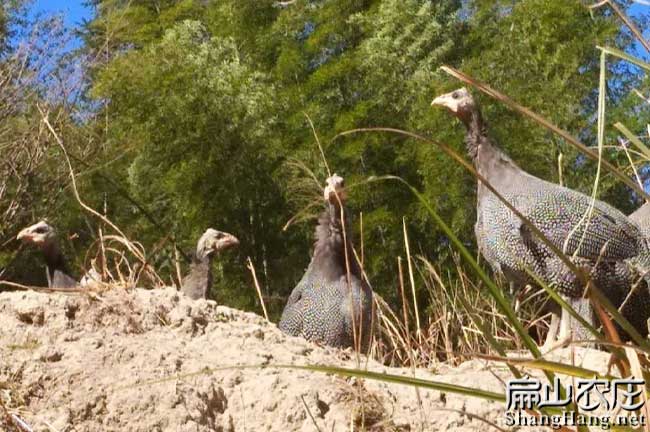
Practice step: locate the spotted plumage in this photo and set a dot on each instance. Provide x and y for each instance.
(326, 306)
(598, 238)
(594, 242)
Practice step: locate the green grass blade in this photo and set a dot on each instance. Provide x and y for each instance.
(404, 380)
(561, 368)
(622, 55)
(602, 97)
(394, 379)
(564, 305)
(349, 372)
(633, 139)
(559, 300)
(493, 289)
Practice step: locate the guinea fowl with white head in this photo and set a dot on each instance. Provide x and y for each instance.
(43, 236)
(598, 239)
(332, 303)
(198, 282)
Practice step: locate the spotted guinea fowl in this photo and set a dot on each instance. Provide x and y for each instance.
(198, 281)
(44, 237)
(599, 239)
(326, 306)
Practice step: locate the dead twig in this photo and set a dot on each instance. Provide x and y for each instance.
(250, 267)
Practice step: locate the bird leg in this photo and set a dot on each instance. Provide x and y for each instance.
(570, 328)
(551, 336)
(517, 295)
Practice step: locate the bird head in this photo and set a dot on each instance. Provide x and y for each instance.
(40, 234)
(460, 102)
(213, 241)
(334, 185)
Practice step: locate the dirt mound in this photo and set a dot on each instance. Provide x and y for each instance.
(138, 360)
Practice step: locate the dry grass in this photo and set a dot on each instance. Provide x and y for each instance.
(12, 407)
(448, 333)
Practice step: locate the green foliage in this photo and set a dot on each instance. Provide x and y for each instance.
(201, 122)
(546, 58)
(123, 25)
(203, 109)
(325, 60)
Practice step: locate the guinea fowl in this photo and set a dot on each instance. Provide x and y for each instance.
(332, 303)
(198, 281)
(43, 236)
(599, 240)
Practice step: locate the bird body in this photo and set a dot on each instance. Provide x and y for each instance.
(198, 282)
(43, 236)
(596, 237)
(332, 303)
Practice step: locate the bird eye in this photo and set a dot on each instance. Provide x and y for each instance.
(455, 95)
(40, 230)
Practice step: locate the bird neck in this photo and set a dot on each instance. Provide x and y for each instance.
(333, 253)
(490, 161)
(198, 281)
(54, 258)
(203, 256)
(476, 136)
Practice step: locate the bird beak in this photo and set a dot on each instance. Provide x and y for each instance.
(25, 234)
(229, 241)
(447, 101)
(330, 194)
(440, 101)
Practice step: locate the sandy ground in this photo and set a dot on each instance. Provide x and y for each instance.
(138, 360)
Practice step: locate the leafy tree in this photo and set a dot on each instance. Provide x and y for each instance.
(200, 121)
(208, 100)
(34, 182)
(324, 60)
(546, 58)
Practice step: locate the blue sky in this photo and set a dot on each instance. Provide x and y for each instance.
(74, 11)
(639, 9)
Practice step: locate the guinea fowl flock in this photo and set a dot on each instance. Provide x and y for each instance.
(333, 303)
